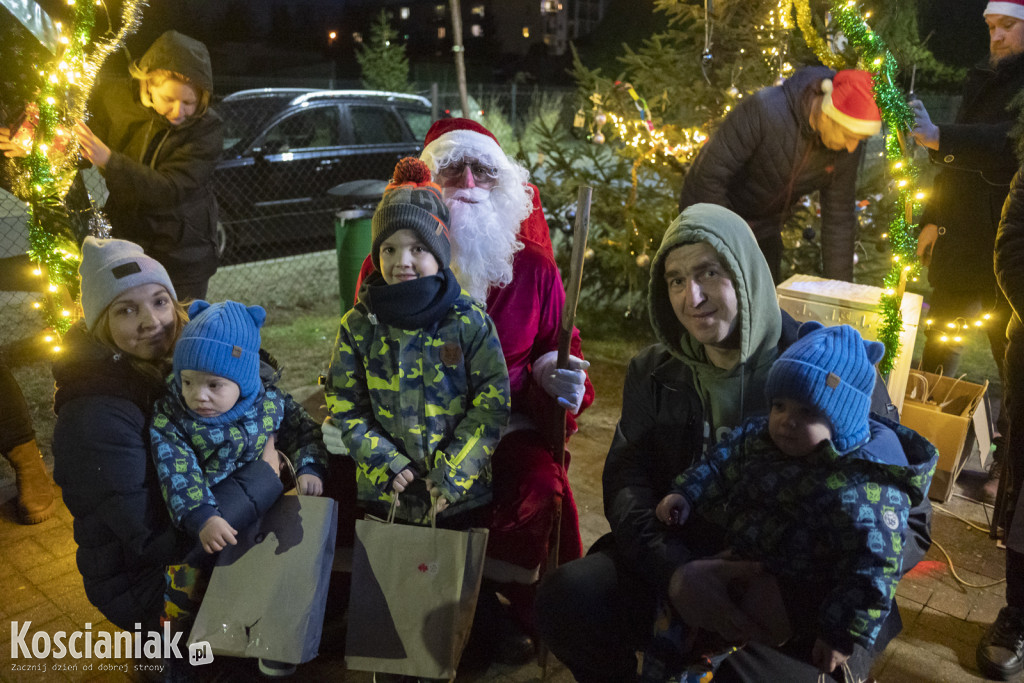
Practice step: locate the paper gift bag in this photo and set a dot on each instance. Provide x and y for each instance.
(414, 593)
(267, 594)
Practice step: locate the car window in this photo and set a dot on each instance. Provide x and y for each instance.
(244, 119)
(375, 125)
(307, 128)
(418, 120)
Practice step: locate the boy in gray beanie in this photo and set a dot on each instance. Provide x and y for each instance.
(219, 414)
(418, 382)
(818, 491)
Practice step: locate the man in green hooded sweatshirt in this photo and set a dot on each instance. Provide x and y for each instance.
(714, 309)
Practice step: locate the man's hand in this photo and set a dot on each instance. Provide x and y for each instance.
(925, 132)
(310, 485)
(332, 437)
(567, 386)
(826, 658)
(93, 148)
(699, 591)
(8, 147)
(926, 243)
(217, 534)
(673, 509)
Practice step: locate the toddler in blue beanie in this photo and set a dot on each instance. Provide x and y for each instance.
(219, 415)
(819, 492)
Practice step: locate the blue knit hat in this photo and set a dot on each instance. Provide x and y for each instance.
(832, 369)
(222, 339)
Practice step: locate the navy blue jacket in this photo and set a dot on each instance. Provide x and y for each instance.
(103, 466)
(765, 156)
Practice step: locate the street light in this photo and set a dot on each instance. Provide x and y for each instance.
(331, 37)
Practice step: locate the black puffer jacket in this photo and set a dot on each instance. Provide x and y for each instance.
(101, 462)
(977, 158)
(103, 466)
(765, 156)
(158, 174)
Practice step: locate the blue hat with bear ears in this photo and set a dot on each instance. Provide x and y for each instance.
(223, 339)
(832, 369)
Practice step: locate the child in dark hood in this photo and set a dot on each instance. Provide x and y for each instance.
(156, 142)
(817, 490)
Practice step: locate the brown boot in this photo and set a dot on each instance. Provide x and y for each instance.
(36, 502)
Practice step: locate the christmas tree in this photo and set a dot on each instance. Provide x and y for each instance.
(382, 59)
(635, 133)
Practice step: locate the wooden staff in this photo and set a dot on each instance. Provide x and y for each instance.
(557, 433)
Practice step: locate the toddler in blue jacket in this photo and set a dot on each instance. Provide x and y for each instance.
(219, 414)
(818, 491)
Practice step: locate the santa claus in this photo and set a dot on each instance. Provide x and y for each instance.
(502, 255)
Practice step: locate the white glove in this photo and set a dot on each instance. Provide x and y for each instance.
(567, 386)
(332, 437)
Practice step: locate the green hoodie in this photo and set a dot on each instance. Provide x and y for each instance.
(719, 389)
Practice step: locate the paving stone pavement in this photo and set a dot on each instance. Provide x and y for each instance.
(943, 620)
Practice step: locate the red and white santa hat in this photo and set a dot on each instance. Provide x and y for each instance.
(849, 102)
(1007, 8)
(448, 139)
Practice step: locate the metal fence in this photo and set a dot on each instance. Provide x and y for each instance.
(277, 217)
(278, 220)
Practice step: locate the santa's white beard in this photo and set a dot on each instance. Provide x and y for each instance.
(483, 239)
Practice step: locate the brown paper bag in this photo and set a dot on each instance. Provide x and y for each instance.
(414, 593)
(268, 593)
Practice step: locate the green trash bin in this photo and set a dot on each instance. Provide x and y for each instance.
(352, 232)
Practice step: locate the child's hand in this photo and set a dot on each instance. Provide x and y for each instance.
(440, 502)
(310, 485)
(403, 479)
(673, 509)
(217, 534)
(825, 658)
(92, 147)
(8, 147)
(332, 437)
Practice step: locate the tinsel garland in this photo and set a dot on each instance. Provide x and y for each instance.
(813, 40)
(899, 120)
(50, 167)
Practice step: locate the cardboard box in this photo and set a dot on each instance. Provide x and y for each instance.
(834, 302)
(946, 411)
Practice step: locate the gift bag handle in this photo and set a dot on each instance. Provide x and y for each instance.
(295, 476)
(394, 506)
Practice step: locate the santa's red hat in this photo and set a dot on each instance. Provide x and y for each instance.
(849, 102)
(1007, 8)
(463, 136)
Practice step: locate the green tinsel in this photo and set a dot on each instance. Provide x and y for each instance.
(48, 171)
(899, 120)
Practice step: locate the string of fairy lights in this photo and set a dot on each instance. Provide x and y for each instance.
(899, 121)
(45, 175)
(674, 145)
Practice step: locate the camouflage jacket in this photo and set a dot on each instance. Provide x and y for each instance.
(836, 522)
(435, 398)
(193, 453)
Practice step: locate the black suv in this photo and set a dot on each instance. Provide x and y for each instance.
(284, 148)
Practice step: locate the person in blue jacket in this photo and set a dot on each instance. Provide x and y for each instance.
(218, 416)
(818, 490)
(111, 370)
